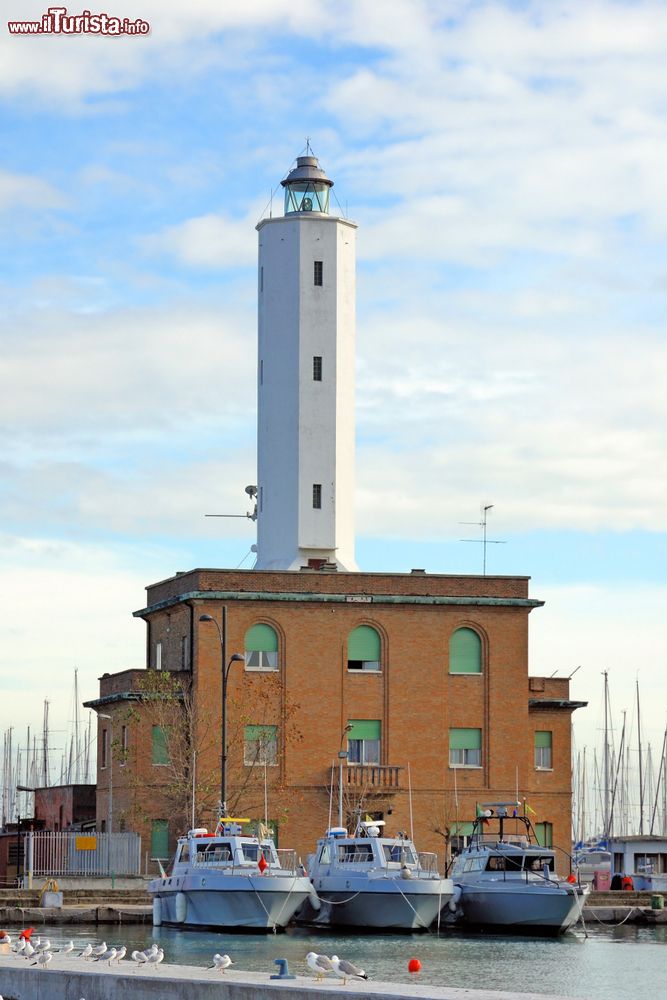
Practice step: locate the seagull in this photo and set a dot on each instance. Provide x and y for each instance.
(28, 951)
(44, 959)
(120, 954)
(43, 945)
(221, 962)
(320, 964)
(156, 957)
(5, 938)
(99, 949)
(346, 970)
(107, 956)
(87, 951)
(19, 946)
(139, 957)
(66, 948)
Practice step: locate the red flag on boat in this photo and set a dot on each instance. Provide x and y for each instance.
(261, 864)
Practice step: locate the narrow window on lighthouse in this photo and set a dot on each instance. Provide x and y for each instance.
(317, 496)
(317, 368)
(317, 272)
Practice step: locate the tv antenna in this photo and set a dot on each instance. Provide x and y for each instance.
(483, 541)
(250, 514)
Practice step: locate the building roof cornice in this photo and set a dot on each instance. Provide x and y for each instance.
(315, 598)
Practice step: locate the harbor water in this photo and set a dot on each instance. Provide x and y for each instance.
(609, 964)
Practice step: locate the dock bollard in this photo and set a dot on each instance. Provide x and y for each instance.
(284, 969)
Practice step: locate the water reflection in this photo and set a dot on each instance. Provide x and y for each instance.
(600, 967)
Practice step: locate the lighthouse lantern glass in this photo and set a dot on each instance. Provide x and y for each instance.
(307, 196)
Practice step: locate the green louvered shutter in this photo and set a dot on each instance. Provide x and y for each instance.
(543, 738)
(160, 838)
(363, 644)
(364, 729)
(261, 638)
(465, 739)
(465, 652)
(160, 751)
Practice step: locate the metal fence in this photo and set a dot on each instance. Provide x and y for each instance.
(54, 854)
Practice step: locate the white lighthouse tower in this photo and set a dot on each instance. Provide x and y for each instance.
(305, 477)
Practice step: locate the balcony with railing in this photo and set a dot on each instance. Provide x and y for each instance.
(373, 777)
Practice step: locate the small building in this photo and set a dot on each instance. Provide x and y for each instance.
(643, 857)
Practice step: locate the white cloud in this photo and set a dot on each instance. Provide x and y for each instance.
(21, 190)
(208, 241)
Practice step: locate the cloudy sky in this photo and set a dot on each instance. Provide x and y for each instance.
(505, 162)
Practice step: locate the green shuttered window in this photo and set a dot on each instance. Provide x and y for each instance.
(465, 747)
(160, 838)
(160, 751)
(543, 757)
(465, 652)
(363, 745)
(363, 649)
(260, 745)
(261, 648)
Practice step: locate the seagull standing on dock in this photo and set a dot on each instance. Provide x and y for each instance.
(120, 954)
(28, 951)
(139, 957)
(107, 956)
(43, 945)
(320, 964)
(346, 970)
(156, 957)
(99, 949)
(66, 948)
(87, 951)
(221, 962)
(43, 959)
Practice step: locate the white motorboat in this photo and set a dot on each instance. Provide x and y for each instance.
(231, 881)
(506, 881)
(373, 882)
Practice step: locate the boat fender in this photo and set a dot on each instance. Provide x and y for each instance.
(157, 912)
(405, 872)
(181, 907)
(314, 900)
(455, 900)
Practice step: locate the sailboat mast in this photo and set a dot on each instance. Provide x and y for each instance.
(641, 774)
(661, 776)
(606, 757)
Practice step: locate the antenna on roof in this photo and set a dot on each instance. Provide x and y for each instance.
(484, 541)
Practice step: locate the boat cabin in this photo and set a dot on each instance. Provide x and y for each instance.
(366, 849)
(228, 849)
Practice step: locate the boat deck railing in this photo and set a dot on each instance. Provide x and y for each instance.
(286, 866)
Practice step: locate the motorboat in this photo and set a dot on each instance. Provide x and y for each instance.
(229, 880)
(373, 881)
(506, 881)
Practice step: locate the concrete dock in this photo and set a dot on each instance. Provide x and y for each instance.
(74, 979)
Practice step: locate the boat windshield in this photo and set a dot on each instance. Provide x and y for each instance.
(509, 863)
(215, 853)
(401, 853)
(355, 853)
(251, 852)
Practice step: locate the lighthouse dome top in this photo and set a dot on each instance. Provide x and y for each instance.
(307, 187)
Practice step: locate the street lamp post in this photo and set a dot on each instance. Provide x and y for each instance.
(225, 668)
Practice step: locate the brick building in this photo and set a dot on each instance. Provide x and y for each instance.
(430, 672)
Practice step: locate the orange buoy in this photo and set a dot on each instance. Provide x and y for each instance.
(414, 965)
(572, 878)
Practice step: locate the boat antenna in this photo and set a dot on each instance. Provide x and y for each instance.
(412, 829)
(333, 766)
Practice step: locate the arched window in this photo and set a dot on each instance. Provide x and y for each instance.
(465, 652)
(261, 648)
(363, 649)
